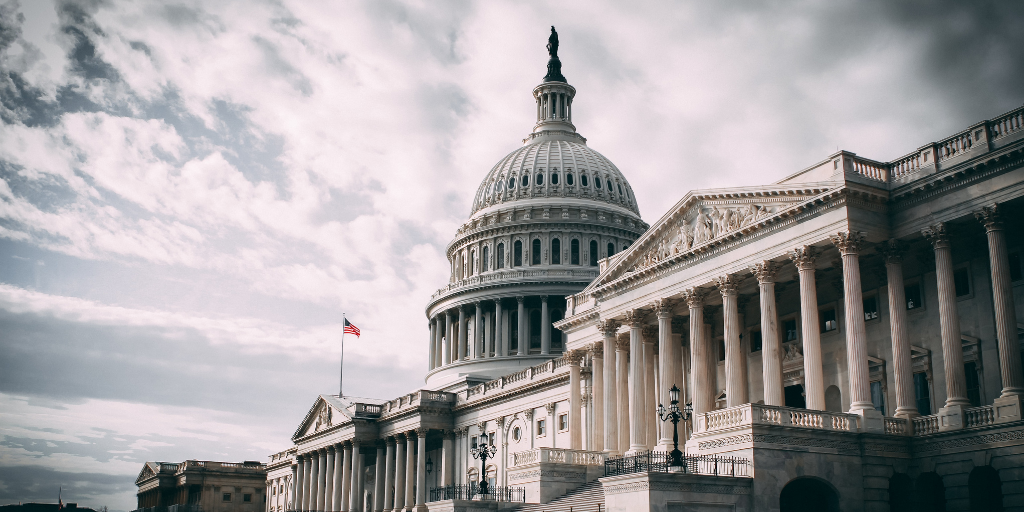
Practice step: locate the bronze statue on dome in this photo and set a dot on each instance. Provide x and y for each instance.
(554, 65)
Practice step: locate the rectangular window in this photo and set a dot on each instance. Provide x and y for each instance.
(540, 427)
(490, 438)
(828, 320)
(755, 341)
(973, 388)
(790, 327)
(486, 259)
(563, 422)
(877, 397)
(913, 295)
(472, 442)
(247, 498)
(721, 350)
(921, 394)
(1015, 270)
(870, 308)
(227, 496)
(962, 282)
(500, 260)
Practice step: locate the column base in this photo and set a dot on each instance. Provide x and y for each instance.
(1007, 408)
(951, 418)
(870, 420)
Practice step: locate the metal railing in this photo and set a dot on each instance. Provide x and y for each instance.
(471, 491)
(658, 462)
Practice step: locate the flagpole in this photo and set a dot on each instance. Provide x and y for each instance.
(341, 380)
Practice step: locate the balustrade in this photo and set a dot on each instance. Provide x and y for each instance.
(557, 455)
(1006, 124)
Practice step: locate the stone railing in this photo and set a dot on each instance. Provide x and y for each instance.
(895, 426)
(924, 425)
(556, 455)
(522, 377)
(979, 416)
(1006, 124)
(513, 276)
(750, 414)
(414, 399)
(870, 168)
(367, 410)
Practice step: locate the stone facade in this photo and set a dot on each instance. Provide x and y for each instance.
(200, 485)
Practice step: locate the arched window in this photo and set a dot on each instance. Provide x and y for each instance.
(500, 263)
(611, 250)
(556, 251)
(517, 253)
(485, 262)
(597, 182)
(593, 253)
(620, 188)
(535, 258)
(568, 179)
(534, 329)
(556, 334)
(574, 252)
(833, 399)
(526, 180)
(583, 180)
(985, 489)
(554, 179)
(808, 493)
(511, 183)
(540, 179)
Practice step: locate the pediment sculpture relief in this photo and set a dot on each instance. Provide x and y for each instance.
(323, 419)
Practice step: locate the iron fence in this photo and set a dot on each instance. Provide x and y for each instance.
(658, 462)
(471, 491)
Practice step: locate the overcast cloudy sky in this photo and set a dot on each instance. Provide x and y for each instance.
(194, 192)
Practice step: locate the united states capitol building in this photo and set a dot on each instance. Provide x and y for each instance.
(844, 339)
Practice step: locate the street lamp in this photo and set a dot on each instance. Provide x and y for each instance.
(483, 452)
(674, 414)
(430, 465)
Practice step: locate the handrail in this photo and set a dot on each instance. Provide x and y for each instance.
(658, 462)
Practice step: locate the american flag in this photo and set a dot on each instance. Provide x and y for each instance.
(350, 328)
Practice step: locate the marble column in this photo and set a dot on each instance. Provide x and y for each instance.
(421, 468)
(814, 382)
(489, 350)
(1002, 298)
(439, 354)
(735, 390)
(608, 330)
(301, 496)
(637, 383)
(771, 349)
(849, 244)
(447, 458)
(290, 501)
(545, 326)
(574, 357)
(356, 490)
(906, 405)
(949, 318)
(389, 475)
(447, 344)
(622, 388)
(703, 387)
(670, 367)
(410, 470)
(314, 481)
(500, 343)
(321, 484)
(378, 480)
(463, 333)
(400, 460)
(431, 345)
(597, 377)
(346, 476)
(329, 491)
(524, 343)
(650, 336)
(478, 332)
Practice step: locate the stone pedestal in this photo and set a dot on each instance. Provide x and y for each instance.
(870, 421)
(545, 481)
(1007, 408)
(676, 491)
(951, 418)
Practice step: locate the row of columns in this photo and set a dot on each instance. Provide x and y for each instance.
(404, 474)
(630, 433)
(448, 341)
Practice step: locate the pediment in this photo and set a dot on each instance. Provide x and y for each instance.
(147, 472)
(702, 218)
(321, 416)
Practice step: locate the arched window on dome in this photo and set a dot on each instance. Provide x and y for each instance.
(568, 179)
(554, 178)
(526, 180)
(574, 252)
(583, 180)
(517, 253)
(511, 183)
(611, 250)
(484, 261)
(593, 253)
(597, 182)
(500, 260)
(556, 251)
(620, 188)
(535, 257)
(540, 179)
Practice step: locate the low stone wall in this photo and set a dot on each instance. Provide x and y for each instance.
(677, 492)
(469, 506)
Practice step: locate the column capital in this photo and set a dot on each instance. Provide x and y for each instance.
(463, 308)
(694, 297)
(500, 420)
(990, 216)
(765, 271)
(848, 242)
(622, 342)
(937, 234)
(727, 285)
(390, 441)
(550, 407)
(543, 298)
(528, 414)
(331, 449)
(893, 250)
(804, 257)
(608, 326)
(422, 432)
(482, 426)
(663, 307)
(635, 317)
(596, 350)
(520, 299)
(573, 357)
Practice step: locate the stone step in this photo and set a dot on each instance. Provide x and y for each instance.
(587, 498)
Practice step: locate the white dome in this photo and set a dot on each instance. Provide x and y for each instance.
(554, 167)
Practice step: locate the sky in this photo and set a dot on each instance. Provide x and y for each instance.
(195, 192)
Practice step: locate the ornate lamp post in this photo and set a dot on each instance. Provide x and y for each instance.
(483, 452)
(674, 414)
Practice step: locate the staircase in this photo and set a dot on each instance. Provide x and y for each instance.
(586, 498)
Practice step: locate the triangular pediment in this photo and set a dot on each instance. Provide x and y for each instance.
(321, 416)
(147, 472)
(703, 218)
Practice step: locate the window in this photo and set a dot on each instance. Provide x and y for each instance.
(1015, 273)
(490, 438)
(755, 341)
(568, 179)
(484, 263)
(828, 320)
(973, 388)
(554, 179)
(583, 180)
(511, 183)
(870, 308)
(574, 252)
(501, 256)
(877, 397)
(556, 251)
(790, 327)
(513, 328)
(593, 253)
(620, 188)
(921, 394)
(611, 250)
(541, 425)
(472, 442)
(227, 496)
(597, 182)
(536, 252)
(721, 350)
(962, 282)
(517, 433)
(913, 295)
(517, 253)
(563, 422)
(526, 180)
(247, 498)
(472, 262)
(540, 179)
